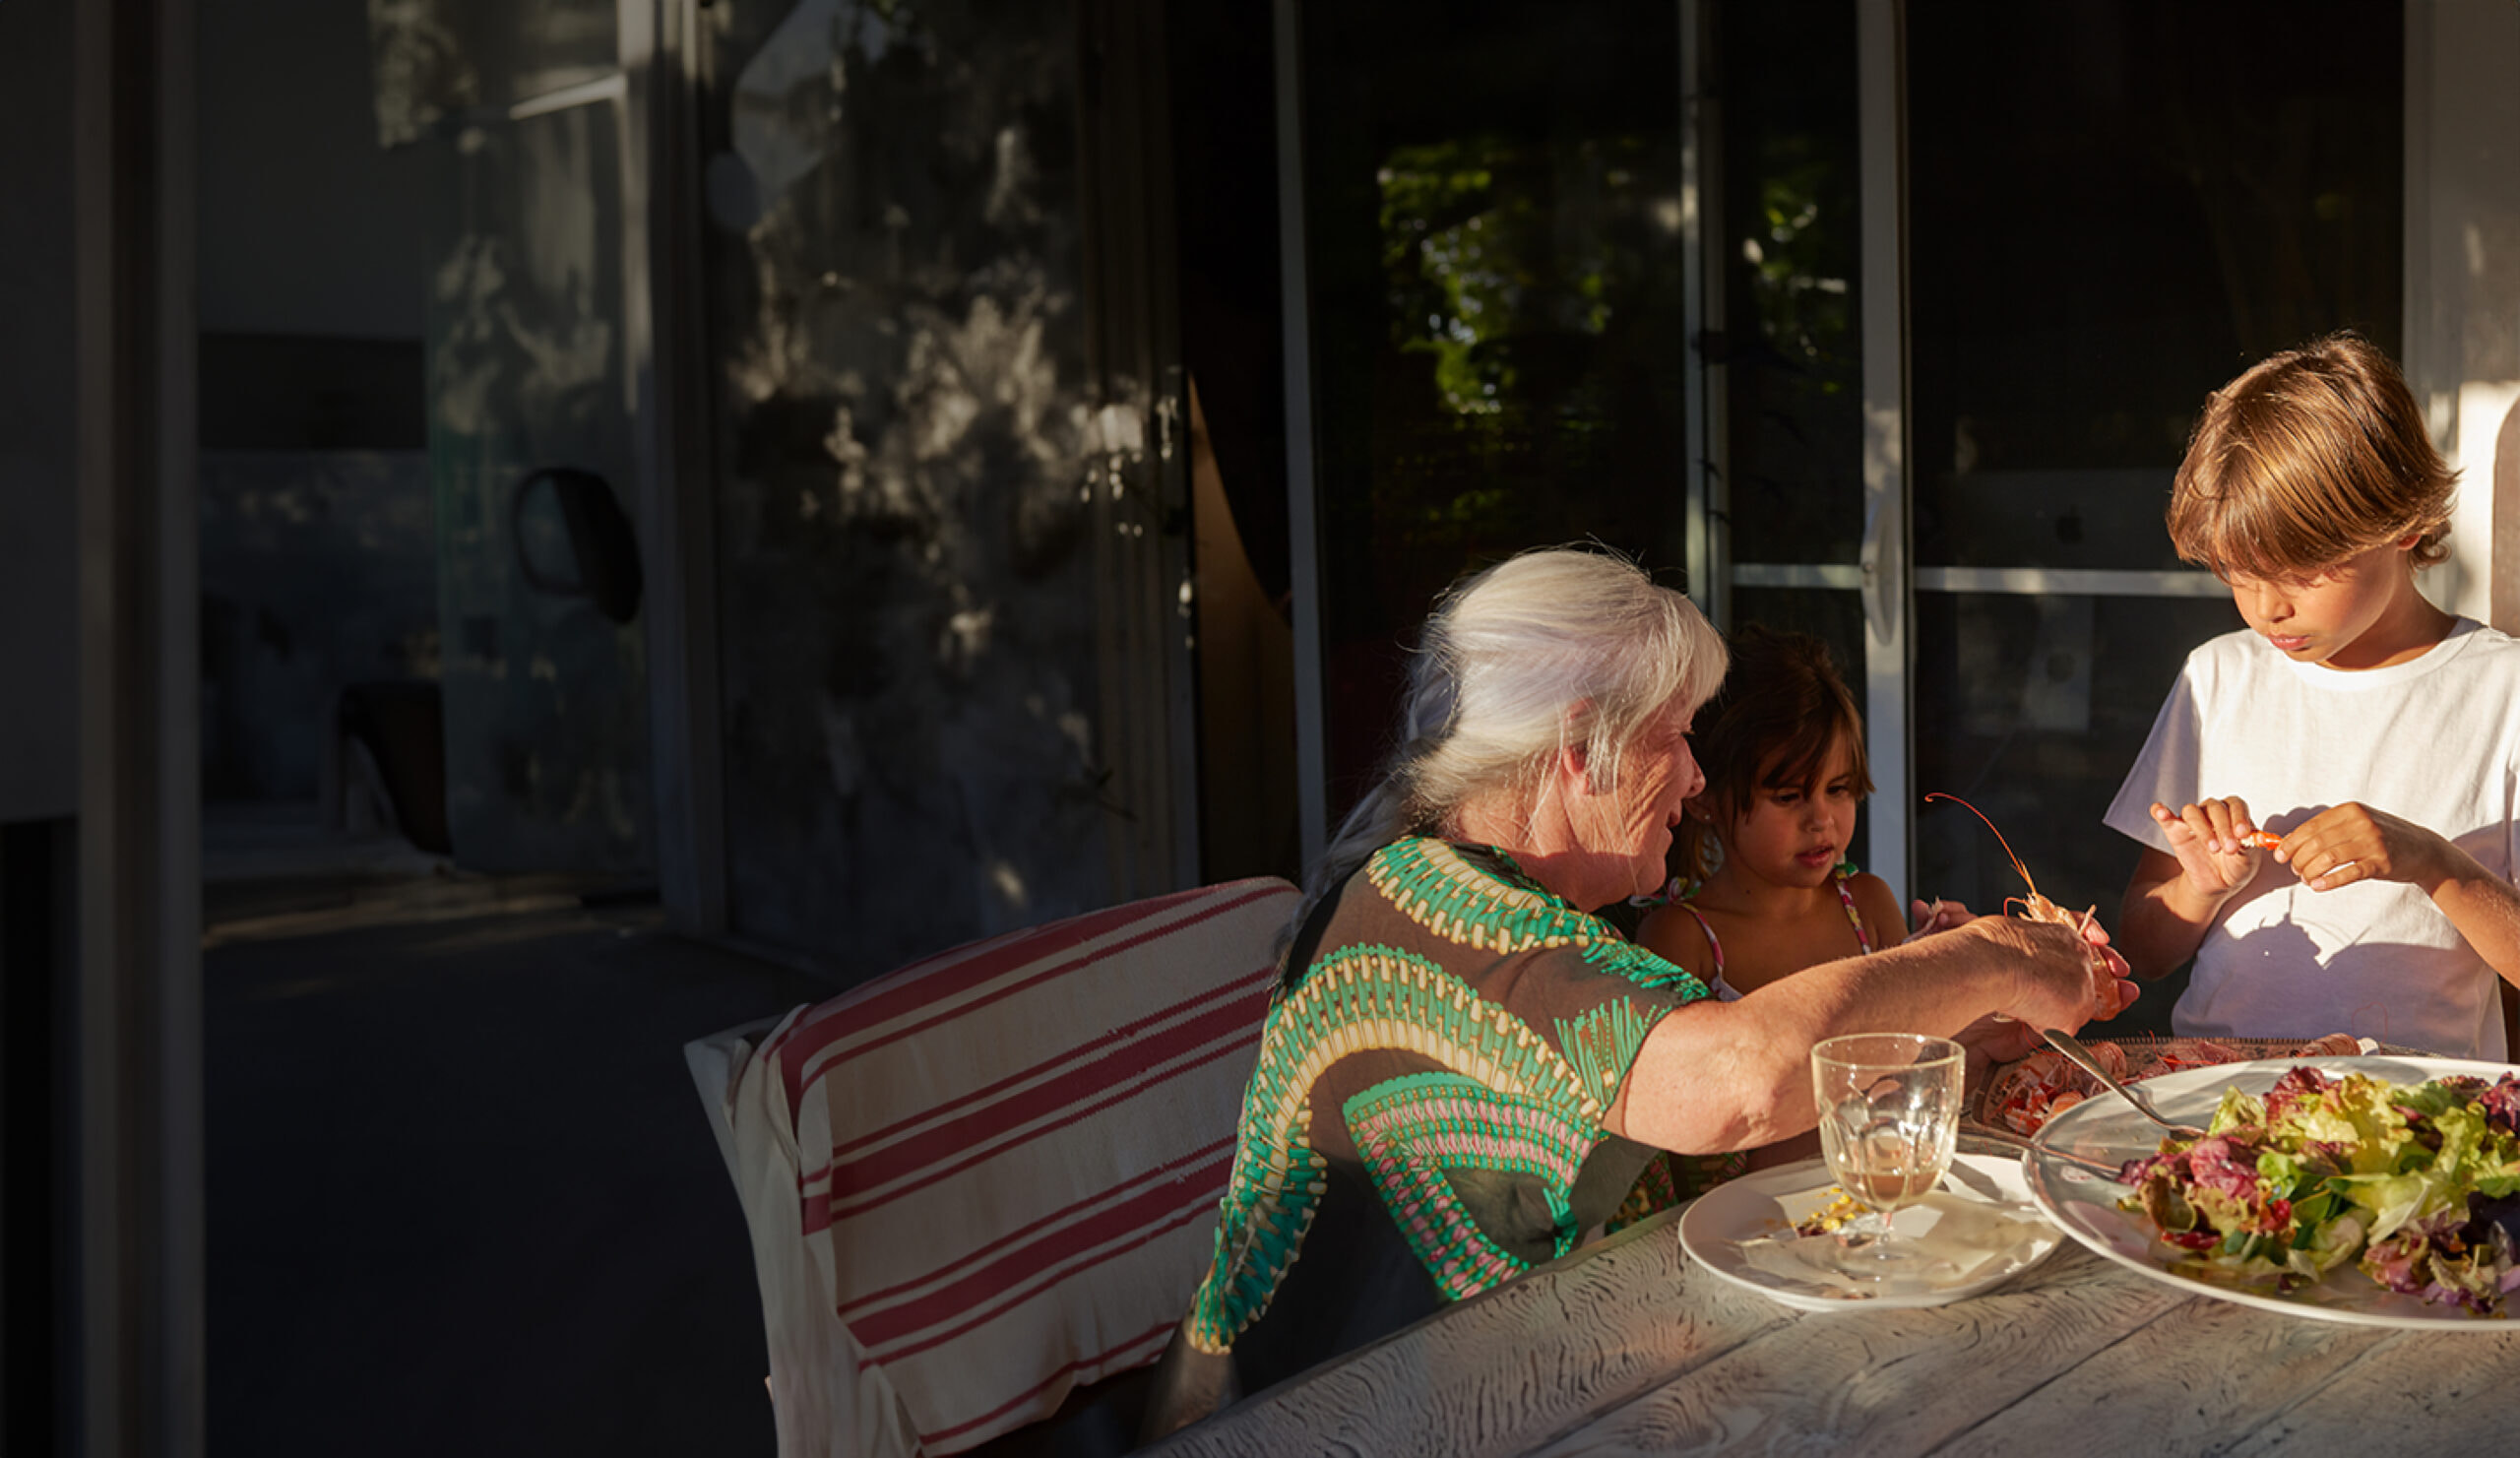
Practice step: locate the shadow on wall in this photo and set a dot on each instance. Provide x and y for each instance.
(908, 609)
(2506, 522)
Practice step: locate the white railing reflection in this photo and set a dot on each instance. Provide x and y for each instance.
(2062, 582)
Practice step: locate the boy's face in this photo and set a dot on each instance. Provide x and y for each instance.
(2343, 616)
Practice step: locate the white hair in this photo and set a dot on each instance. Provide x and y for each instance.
(1555, 646)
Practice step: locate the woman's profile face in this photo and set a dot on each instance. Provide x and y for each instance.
(1657, 776)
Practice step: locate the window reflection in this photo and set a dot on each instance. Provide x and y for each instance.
(2113, 208)
(1786, 244)
(1492, 201)
(1791, 347)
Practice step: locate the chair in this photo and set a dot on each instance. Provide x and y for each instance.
(991, 1176)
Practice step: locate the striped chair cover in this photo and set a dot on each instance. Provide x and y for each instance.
(993, 1176)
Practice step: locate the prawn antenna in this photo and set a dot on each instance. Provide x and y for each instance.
(2019, 870)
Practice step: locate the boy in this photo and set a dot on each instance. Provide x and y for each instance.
(2347, 771)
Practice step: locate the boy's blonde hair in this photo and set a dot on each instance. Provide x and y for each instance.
(2307, 458)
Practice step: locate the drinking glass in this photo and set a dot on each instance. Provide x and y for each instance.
(1889, 1114)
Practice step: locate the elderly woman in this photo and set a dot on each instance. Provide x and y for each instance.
(1464, 1071)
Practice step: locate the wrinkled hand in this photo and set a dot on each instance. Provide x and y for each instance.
(1941, 915)
(2068, 977)
(2211, 841)
(2355, 843)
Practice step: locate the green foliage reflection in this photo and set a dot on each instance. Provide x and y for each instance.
(1798, 275)
(1518, 275)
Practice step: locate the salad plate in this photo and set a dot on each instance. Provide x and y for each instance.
(1974, 1231)
(2084, 1205)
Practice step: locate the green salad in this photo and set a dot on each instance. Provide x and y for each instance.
(2416, 1184)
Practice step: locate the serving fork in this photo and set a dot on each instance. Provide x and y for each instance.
(2064, 1043)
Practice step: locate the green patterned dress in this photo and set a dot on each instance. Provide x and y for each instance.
(1425, 1118)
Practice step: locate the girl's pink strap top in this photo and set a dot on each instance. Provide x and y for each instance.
(1725, 991)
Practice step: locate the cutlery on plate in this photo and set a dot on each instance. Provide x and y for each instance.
(2064, 1043)
(2011, 1140)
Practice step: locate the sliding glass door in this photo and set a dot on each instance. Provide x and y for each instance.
(2112, 206)
(1888, 322)
(1978, 268)
(1492, 210)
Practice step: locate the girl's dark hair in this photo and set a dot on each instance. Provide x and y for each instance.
(1781, 706)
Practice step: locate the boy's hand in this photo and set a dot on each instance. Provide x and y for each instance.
(2355, 843)
(2213, 841)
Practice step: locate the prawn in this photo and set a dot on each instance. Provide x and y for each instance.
(2038, 907)
(2034, 906)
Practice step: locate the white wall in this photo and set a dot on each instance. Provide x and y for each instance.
(2463, 260)
(307, 227)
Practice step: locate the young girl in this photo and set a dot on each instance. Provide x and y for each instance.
(1762, 885)
(2346, 771)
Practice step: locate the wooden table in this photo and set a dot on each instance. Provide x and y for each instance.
(1626, 1347)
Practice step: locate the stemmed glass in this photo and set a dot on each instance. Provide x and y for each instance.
(1889, 1115)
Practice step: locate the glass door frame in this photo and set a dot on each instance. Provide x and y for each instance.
(1881, 575)
(1885, 574)
(1304, 523)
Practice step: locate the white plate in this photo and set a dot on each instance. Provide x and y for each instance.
(2104, 1127)
(1742, 1232)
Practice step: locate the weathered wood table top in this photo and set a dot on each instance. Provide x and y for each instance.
(1626, 1347)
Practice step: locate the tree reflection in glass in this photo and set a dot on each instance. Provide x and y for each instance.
(1493, 218)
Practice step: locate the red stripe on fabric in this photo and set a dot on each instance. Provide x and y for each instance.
(883, 1168)
(998, 995)
(1185, 1215)
(1161, 1172)
(837, 1212)
(883, 998)
(822, 1199)
(1257, 986)
(906, 989)
(977, 1319)
(936, 1442)
(989, 1284)
(1263, 979)
(806, 1049)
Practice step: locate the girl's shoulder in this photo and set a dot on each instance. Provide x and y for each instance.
(1885, 921)
(1862, 881)
(1670, 931)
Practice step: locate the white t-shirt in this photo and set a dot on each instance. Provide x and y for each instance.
(2436, 741)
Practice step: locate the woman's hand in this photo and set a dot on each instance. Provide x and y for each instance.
(2213, 841)
(2065, 975)
(2355, 843)
(2117, 979)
